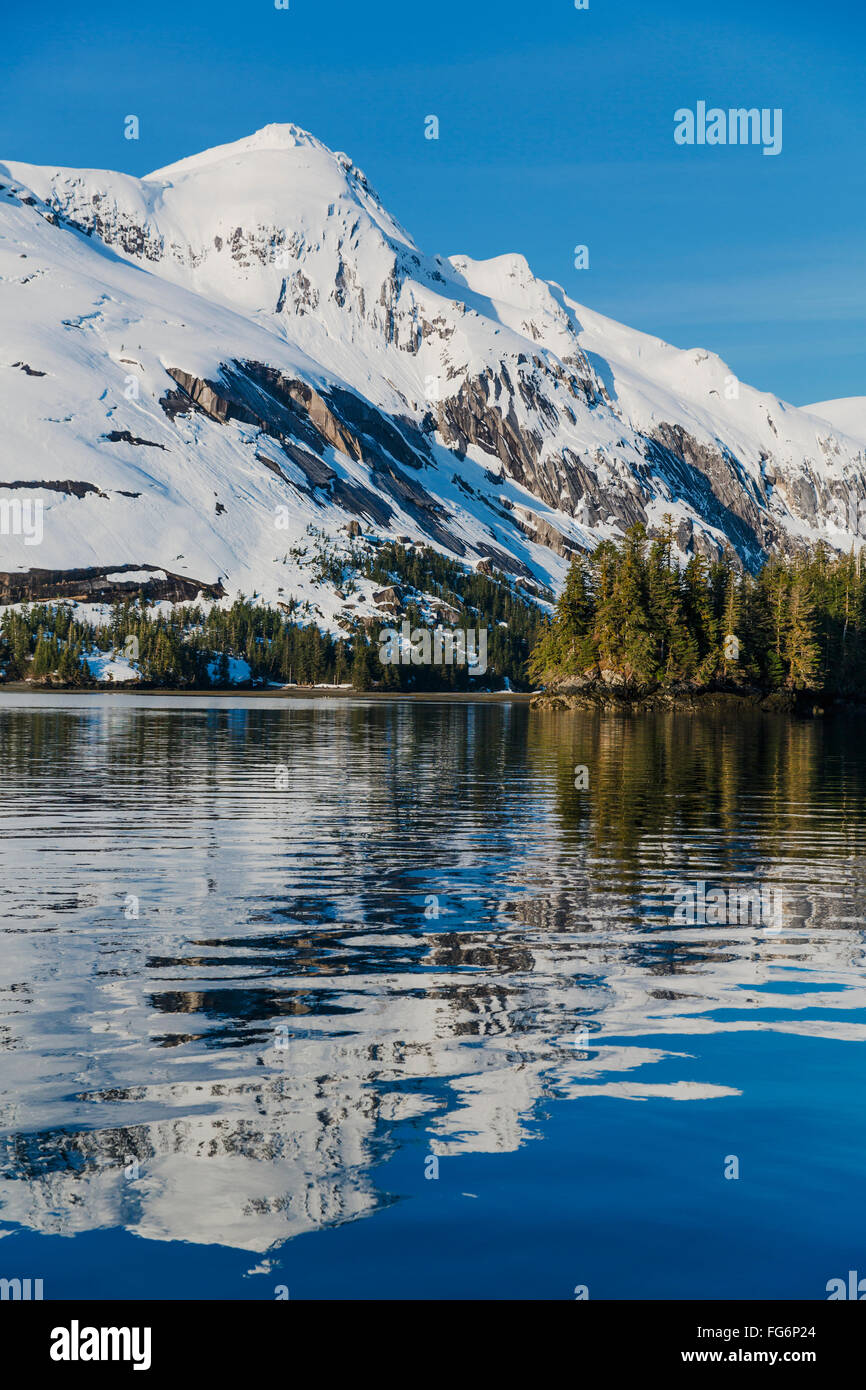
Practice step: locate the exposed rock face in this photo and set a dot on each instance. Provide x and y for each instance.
(717, 487)
(541, 531)
(97, 214)
(481, 413)
(289, 410)
(69, 486)
(95, 586)
(445, 613)
(503, 562)
(126, 437)
(390, 599)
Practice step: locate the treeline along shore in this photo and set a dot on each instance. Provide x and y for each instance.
(633, 628)
(253, 645)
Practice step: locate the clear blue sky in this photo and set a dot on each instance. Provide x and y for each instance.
(556, 129)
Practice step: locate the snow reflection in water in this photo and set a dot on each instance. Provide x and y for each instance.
(257, 995)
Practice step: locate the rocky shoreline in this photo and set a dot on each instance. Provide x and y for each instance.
(597, 695)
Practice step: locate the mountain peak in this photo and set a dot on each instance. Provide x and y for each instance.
(291, 345)
(274, 137)
(257, 171)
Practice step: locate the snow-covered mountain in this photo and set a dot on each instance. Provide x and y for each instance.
(847, 414)
(201, 368)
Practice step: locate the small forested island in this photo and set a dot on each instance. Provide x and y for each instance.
(633, 627)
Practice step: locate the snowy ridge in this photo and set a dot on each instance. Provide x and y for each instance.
(247, 335)
(847, 414)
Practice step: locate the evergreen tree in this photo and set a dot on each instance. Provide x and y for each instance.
(361, 674)
(801, 649)
(628, 614)
(730, 621)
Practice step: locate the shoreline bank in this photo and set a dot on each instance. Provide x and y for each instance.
(805, 704)
(305, 692)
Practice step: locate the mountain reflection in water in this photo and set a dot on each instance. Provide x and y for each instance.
(430, 943)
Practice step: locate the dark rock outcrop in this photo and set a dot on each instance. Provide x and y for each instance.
(94, 586)
(127, 437)
(70, 486)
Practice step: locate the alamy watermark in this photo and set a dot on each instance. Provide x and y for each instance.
(21, 1290)
(419, 646)
(77, 1343)
(19, 518)
(736, 126)
(697, 905)
(853, 1288)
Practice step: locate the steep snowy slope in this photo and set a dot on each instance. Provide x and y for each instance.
(211, 492)
(847, 414)
(207, 362)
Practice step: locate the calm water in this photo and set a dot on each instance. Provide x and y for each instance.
(373, 940)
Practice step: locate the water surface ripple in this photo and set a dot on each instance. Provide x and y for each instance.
(362, 998)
